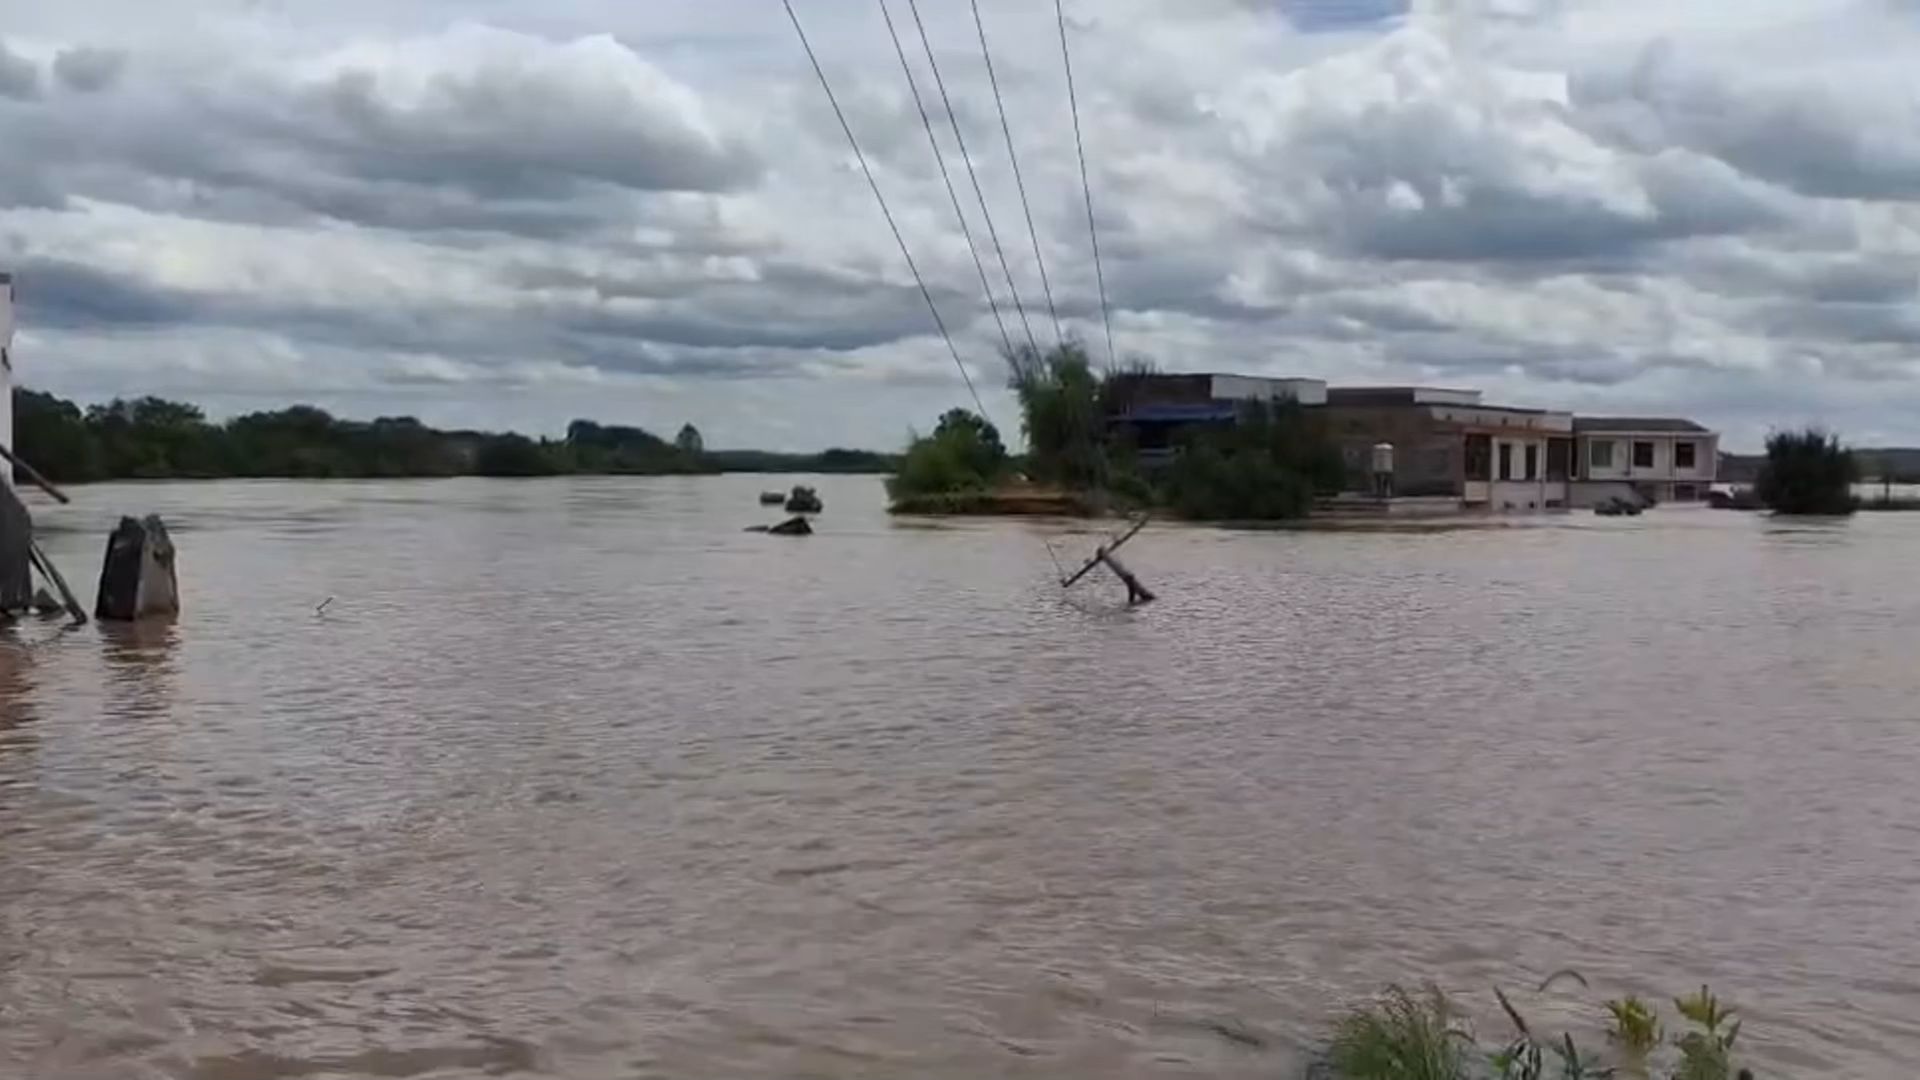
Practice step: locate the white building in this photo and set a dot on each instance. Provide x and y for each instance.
(1658, 458)
(6, 372)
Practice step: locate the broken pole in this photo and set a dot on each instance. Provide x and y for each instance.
(1100, 553)
(1136, 592)
(52, 573)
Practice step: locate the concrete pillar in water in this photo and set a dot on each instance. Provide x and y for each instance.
(16, 535)
(138, 580)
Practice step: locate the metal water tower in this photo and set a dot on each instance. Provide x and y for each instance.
(1383, 470)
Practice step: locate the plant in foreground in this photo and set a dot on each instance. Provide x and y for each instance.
(1401, 1037)
(1635, 1032)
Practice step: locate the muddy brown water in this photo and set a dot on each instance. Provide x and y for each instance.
(574, 778)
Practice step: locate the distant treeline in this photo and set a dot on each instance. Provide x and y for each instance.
(1895, 464)
(151, 438)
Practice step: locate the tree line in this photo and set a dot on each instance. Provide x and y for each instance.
(151, 438)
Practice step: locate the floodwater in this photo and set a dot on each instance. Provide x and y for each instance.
(574, 778)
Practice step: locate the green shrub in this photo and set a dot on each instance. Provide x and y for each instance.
(1403, 1037)
(963, 454)
(1400, 1037)
(1807, 472)
(1267, 467)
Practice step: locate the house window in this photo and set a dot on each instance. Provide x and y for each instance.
(1683, 455)
(1643, 455)
(1686, 493)
(1600, 454)
(1506, 461)
(1479, 457)
(1533, 462)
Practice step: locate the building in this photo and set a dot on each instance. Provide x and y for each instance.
(1657, 459)
(1152, 410)
(1449, 448)
(1452, 447)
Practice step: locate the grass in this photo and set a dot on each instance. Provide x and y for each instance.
(1401, 1036)
(1406, 1036)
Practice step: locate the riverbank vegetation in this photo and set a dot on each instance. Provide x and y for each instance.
(151, 438)
(1404, 1035)
(1268, 466)
(1807, 472)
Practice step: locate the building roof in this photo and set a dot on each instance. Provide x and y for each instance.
(1400, 395)
(1661, 424)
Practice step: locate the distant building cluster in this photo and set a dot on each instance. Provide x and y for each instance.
(1441, 446)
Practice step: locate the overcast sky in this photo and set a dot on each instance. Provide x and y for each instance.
(516, 212)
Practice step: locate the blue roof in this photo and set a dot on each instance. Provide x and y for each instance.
(1197, 412)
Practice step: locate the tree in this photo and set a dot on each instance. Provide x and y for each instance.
(964, 453)
(1061, 414)
(975, 438)
(51, 435)
(513, 455)
(689, 442)
(1807, 472)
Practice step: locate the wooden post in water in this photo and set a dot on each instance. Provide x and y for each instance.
(1136, 592)
(52, 574)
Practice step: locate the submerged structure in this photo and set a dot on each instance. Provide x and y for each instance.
(1412, 449)
(16, 528)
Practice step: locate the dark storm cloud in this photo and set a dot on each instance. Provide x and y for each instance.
(19, 76)
(492, 132)
(87, 70)
(1811, 135)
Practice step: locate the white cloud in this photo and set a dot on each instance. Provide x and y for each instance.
(504, 211)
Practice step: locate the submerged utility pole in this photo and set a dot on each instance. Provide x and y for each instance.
(1137, 593)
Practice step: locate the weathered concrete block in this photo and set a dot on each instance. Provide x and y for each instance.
(16, 534)
(138, 579)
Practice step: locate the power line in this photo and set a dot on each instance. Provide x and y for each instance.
(1018, 180)
(972, 174)
(941, 159)
(882, 200)
(1086, 186)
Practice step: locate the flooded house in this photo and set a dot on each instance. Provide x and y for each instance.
(1452, 449)
(1152, 411)
(1431, 449)
(1654, 459)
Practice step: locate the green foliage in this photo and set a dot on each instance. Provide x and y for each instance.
(977, 438)
(1635, 1031)
(1807, 472)
(513, 455)
(1707, 1052)
(1400, 1037)
(1268, 467)
(152, 438)
(1061, 413)
(963, 454)
(52, 434)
